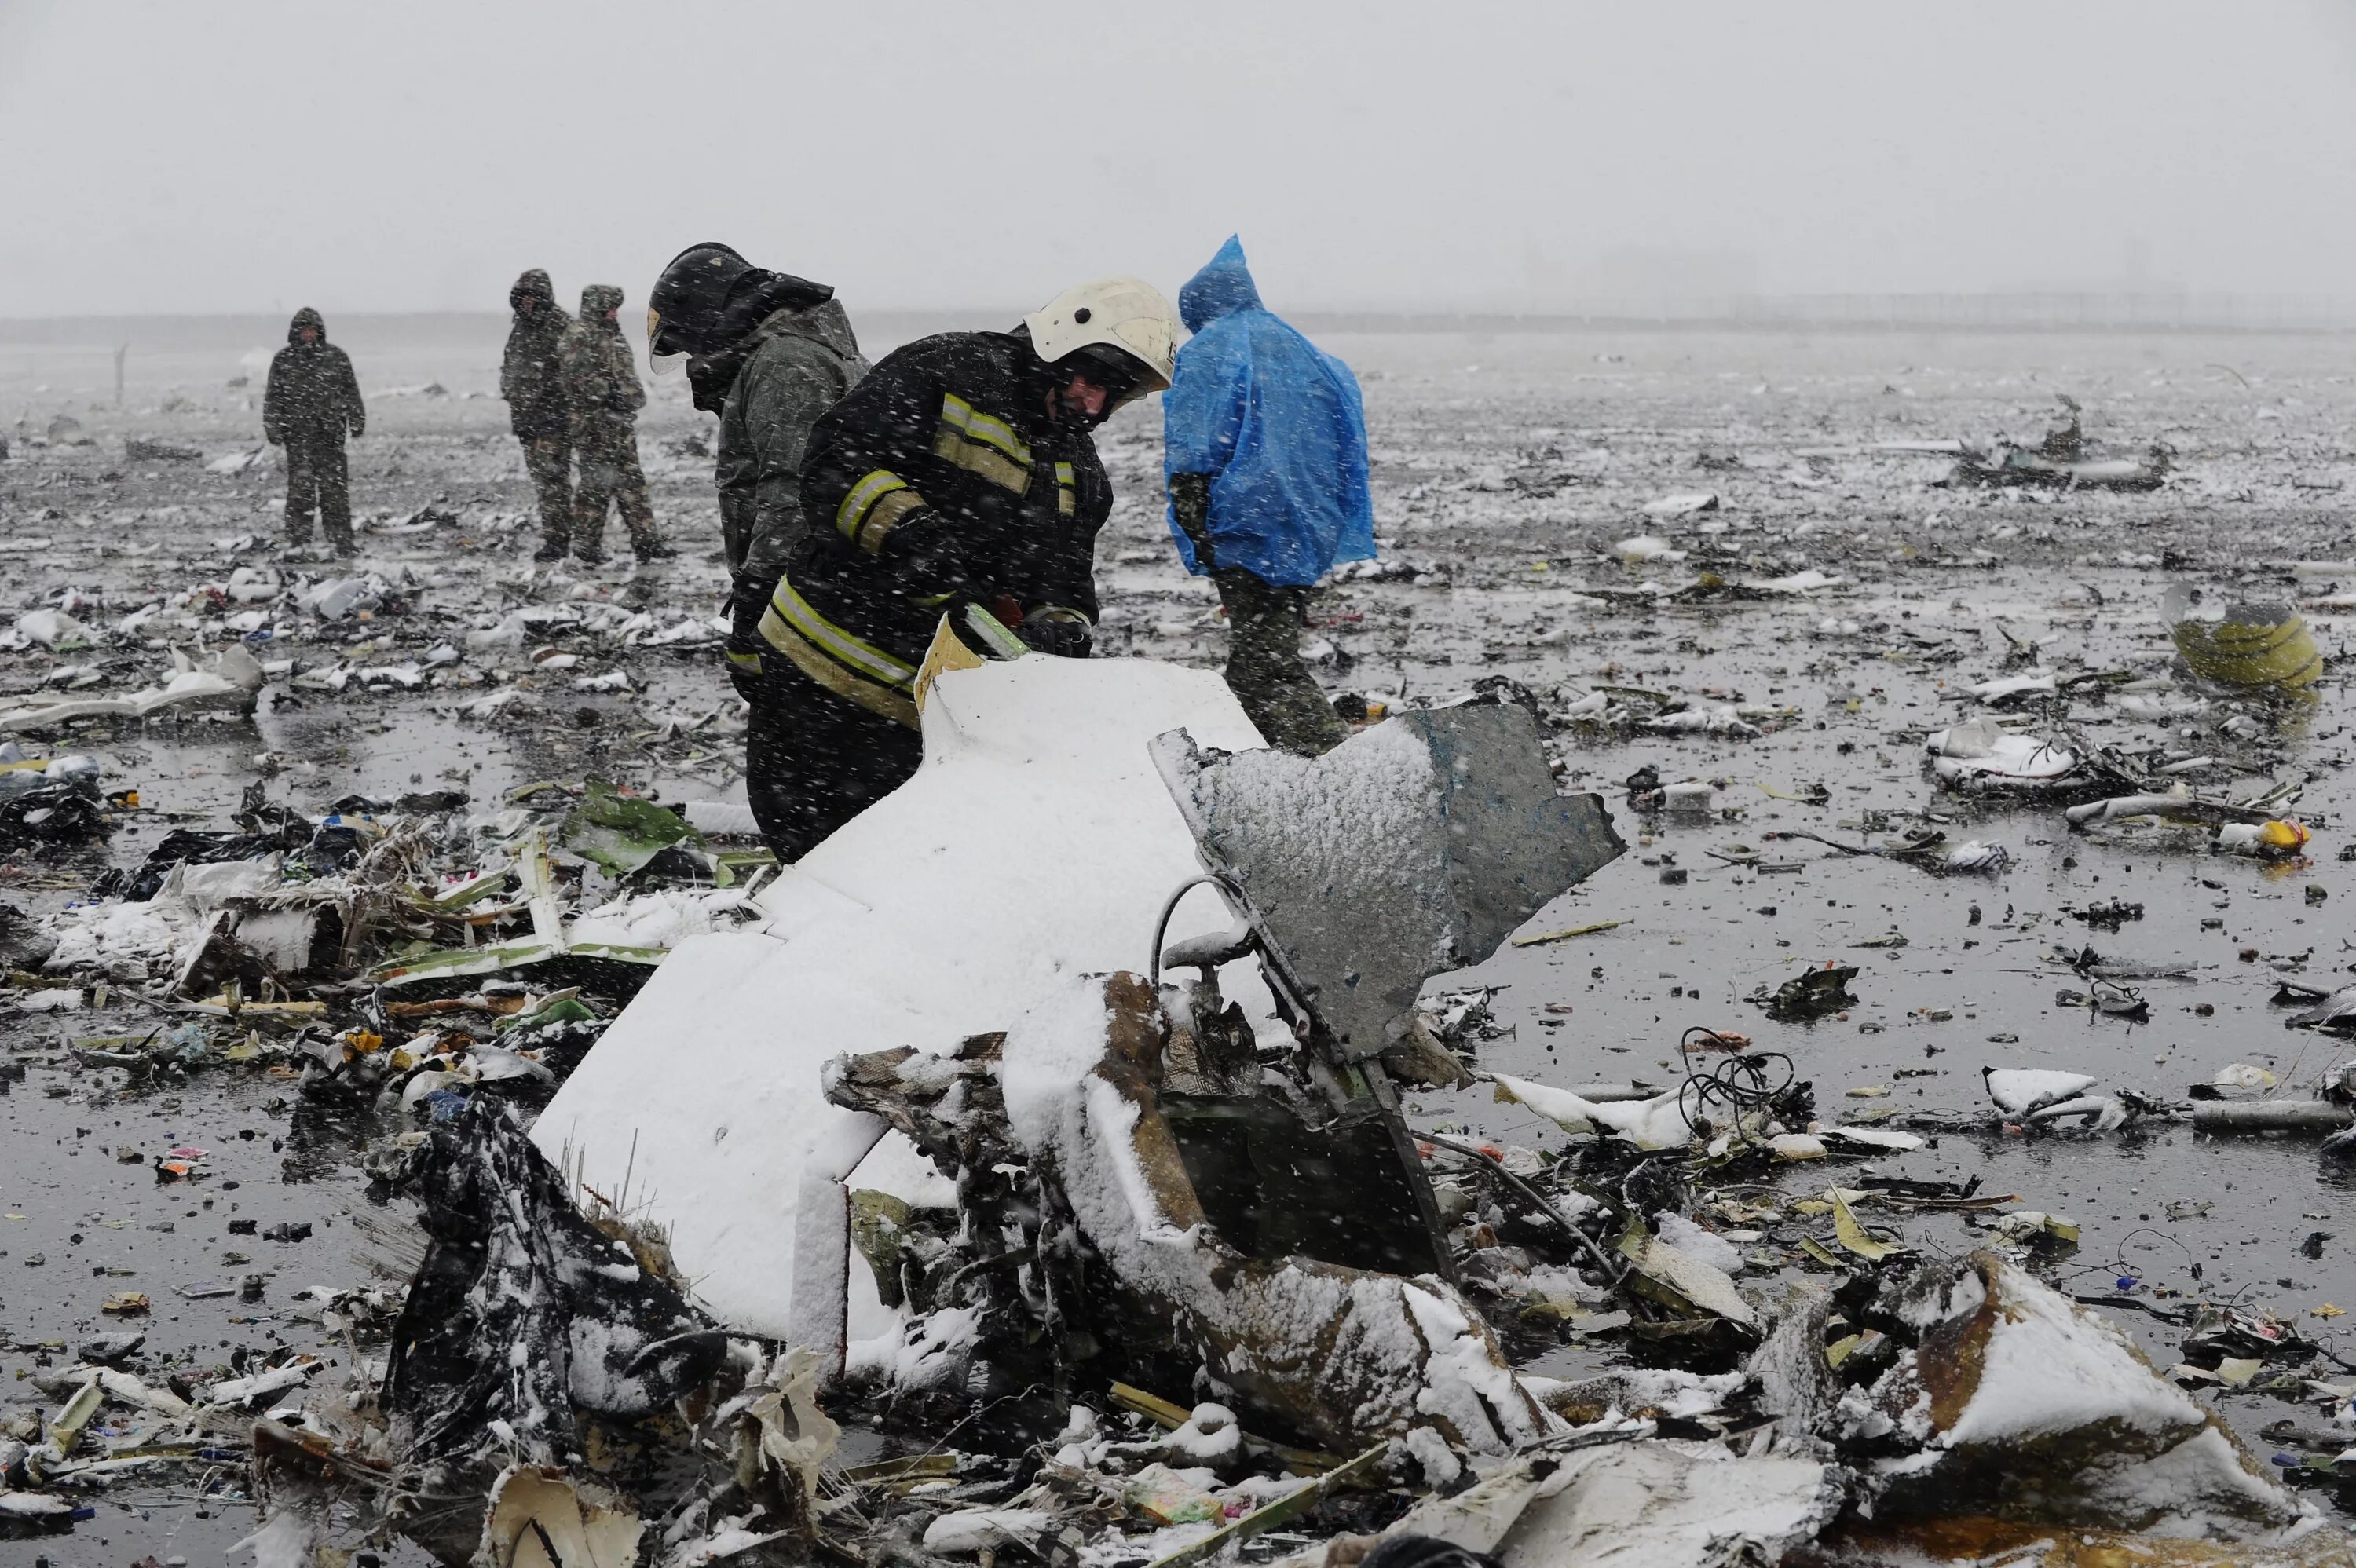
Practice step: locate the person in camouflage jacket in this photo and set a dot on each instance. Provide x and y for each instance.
(603, 391)
(312, 399)
(531, 379)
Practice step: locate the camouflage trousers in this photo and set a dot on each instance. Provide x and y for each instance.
(610, 472)
(548, 460)
(1264, 667)
(318, 479)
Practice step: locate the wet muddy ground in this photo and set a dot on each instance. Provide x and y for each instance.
(1506, 470)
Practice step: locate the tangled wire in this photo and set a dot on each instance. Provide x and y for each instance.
(1722, 1094)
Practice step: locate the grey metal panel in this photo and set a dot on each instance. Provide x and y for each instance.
(1413, 847)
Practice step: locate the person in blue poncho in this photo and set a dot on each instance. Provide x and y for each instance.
(1265, 445)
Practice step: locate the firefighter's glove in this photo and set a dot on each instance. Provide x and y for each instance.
(1065, 633)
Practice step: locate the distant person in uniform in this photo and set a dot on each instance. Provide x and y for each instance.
(312, 402)
(1265, 446)
(531, 379)
(602, 388)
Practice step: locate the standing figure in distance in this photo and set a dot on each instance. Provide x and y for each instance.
(531, 379)
(601, 383)
(767, 352)
(1265, 445)
(311, 400)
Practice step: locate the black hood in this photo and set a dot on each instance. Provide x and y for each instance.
(757, 295)
(533, 285)
(596, 300)
(305, 317)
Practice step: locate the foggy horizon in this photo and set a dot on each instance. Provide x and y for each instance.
(1517, 158)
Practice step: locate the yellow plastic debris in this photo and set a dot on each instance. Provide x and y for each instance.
(1850, 1233)
(2253, 645)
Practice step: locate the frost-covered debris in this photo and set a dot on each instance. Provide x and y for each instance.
(2020, 1403)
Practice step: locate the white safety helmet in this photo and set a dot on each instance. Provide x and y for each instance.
(1129, 315)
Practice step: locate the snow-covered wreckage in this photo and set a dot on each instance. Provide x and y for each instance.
(1034, 1176)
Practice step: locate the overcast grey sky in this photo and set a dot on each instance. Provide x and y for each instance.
(245, 156)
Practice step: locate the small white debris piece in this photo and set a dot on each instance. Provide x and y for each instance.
(51, 628)
(1804, 581)
(1695, 1241)
(237, 463)
(1644, 548)
(1983, 755)
(1656, 1123)
(2005, 689)
(2018, 1090)
(967, 1532)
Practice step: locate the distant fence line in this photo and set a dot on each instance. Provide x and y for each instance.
(2020, 312)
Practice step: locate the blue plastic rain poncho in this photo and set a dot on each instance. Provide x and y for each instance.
(1278, 428)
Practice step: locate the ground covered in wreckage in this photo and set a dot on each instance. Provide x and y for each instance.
(1508, 471)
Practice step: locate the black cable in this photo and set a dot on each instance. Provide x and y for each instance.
(1737, 1084)
(1161, 926)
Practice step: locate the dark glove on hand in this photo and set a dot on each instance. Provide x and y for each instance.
(1064, 638)
(933, 561)
(746, 600)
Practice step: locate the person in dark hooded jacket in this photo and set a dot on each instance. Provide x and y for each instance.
(600, 382)
(1265, 446)
(767, 352)
(531, 379)
(311, 400)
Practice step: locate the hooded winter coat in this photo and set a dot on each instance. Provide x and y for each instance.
(796, 365)
(532, 375)
(1276, 425)
(312, 396)
(730, 334)
(600, 378)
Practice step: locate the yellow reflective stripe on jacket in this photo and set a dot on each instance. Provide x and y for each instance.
(869, 661)
(836, 660)
(987, 429)
(749, 663)
(1067, 490)
(808, 658)
(852, 515)
(887, 512)
(981, 445)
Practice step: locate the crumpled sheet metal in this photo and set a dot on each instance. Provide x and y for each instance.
(2023, 1405)
(541, 1518)
(522, 1309)
(1416, 847)
(1631, 1503)
(1344, 1357)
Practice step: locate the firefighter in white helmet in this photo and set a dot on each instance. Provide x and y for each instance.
(959, 480)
